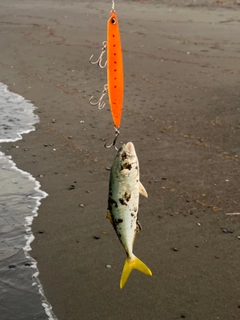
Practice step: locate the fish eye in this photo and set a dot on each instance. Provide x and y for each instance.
(114, 21)
(124, 156)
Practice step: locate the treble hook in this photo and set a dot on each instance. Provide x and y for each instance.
(99, 60)
(101, 104)
(117, 132)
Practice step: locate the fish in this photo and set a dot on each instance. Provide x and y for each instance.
(123, 202)
(115, 73)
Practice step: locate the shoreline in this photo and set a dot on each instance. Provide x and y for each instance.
(20, 194)
(181, 111)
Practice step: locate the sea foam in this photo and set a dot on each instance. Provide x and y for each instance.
(21, 295)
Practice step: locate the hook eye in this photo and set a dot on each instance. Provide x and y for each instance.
(114, 21)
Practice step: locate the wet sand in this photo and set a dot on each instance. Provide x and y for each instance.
(182, 112)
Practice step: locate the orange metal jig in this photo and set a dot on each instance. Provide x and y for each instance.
(115, 75)
(115, 69)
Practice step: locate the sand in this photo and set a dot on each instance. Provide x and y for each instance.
(181, 110)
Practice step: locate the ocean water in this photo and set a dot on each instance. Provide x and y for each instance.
(21, 293)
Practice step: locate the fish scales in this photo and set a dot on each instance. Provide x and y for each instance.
(123, 202)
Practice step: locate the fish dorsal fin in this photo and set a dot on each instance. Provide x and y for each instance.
(109, 216)
(142, 190)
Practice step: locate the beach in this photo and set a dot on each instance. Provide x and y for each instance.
(181, 111)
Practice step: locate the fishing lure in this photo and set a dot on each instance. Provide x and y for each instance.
(115, 74)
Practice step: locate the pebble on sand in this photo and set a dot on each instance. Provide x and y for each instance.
(227, 230)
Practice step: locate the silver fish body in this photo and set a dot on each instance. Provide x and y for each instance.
(123, 202)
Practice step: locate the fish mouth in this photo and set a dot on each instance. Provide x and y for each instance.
(127, 157)
(127, 151)
(130, 148)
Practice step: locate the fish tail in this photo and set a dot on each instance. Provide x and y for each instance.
(130, 264)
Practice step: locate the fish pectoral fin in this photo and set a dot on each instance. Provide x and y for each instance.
(109, 216)
(142, 190)
(130, 264)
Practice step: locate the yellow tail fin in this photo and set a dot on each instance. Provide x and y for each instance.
(130, 264)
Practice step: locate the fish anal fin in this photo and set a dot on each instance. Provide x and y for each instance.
(109, 216)
(142, 190)
(130, 264)
(139, 227)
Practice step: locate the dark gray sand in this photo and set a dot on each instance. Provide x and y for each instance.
(182, 112)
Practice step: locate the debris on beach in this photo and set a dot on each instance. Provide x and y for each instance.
(227, 230)
(233, 214)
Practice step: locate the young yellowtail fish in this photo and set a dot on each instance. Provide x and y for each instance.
(124, 189)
